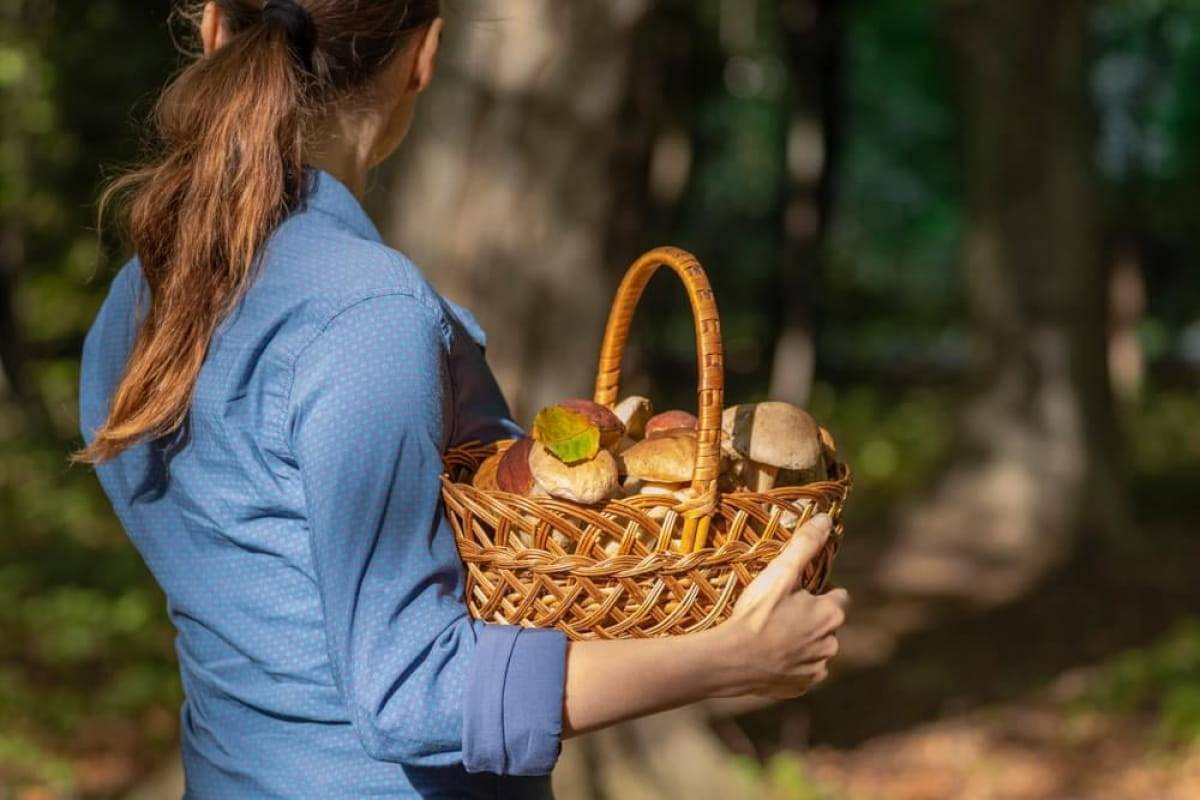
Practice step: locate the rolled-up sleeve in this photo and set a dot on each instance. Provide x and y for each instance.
(370, 403)
(517, 688)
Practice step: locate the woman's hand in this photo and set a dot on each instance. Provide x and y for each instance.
(776, 643)
(783, 635)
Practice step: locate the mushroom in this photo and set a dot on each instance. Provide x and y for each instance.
(666, 458)
(829, 451)
(661, 466)
(680, 490)
(671, 422)
(634, 411)
(611, 428)
(677, 492)
(485, 476)
(513, 473)
(771, 437)
(731, 477)
(586, 482)
(623, 445)
(791, 517)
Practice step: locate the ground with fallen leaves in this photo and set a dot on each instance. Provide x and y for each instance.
(1018, 752)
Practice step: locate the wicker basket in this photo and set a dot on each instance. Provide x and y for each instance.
(643, 566)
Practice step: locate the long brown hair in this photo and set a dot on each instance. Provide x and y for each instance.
(229, 134)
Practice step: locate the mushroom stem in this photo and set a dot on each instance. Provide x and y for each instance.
(760, 477)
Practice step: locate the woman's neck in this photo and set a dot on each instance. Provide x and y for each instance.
(343, 147)
(347, 172)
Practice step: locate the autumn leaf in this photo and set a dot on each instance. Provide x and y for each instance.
(567, 434)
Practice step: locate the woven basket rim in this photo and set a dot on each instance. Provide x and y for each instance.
(540, 560)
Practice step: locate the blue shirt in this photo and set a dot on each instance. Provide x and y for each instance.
(295, 525)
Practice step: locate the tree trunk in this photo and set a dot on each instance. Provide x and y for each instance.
(1036, 461)
(814, 30)
(504, 192)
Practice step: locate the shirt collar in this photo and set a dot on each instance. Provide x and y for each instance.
(326, 193)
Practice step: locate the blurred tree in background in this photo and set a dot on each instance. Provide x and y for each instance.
(962, 232)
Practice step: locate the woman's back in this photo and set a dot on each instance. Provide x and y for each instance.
(268, 393)
(251, 517)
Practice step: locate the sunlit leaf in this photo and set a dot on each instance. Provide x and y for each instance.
(567, 434)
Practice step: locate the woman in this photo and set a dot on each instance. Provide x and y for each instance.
(267, 392)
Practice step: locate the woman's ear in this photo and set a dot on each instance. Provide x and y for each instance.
(212, 27)
(427, 49)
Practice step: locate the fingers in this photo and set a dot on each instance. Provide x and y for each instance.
(783, 573)
(829, 617)
(824, 648)
(805, 543)
(814, 616)
(839, 596)
(800, 683)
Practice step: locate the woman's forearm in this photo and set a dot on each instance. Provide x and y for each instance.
(776, 643)
(615, 680)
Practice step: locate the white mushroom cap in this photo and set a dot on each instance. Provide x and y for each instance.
(586, 482)
(772, 437)
(668, 458)
(773, 433)
(634, 411)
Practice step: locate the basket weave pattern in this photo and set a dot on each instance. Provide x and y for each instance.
(645, 565)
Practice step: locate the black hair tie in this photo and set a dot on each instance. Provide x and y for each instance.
(295, 19)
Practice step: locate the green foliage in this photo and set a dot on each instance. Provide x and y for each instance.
(84, 640)
(1165, 454)
(899, 214)
(784, 777)
(1162, 679)
(894, 441)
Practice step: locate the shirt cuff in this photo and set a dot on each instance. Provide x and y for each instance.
(512, 715)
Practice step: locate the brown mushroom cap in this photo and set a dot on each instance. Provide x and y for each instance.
(513, 473)
(671, 422)
(665, 458)
(611, 428)
(773, 433)
(634, 412)
(586, 482)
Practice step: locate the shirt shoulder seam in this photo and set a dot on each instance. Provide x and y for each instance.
(354, 302)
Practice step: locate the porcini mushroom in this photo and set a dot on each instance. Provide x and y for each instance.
(611, 428)
(634, 411)
(513, 473)
(485, 475)
(661, 466)
(667, 458)
(828, 451)
(671, 422)
(677, 492)
(587, 482)
(771, 437)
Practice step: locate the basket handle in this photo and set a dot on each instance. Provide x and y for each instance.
(710, 360)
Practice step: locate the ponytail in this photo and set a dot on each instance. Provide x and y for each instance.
(231, 129)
